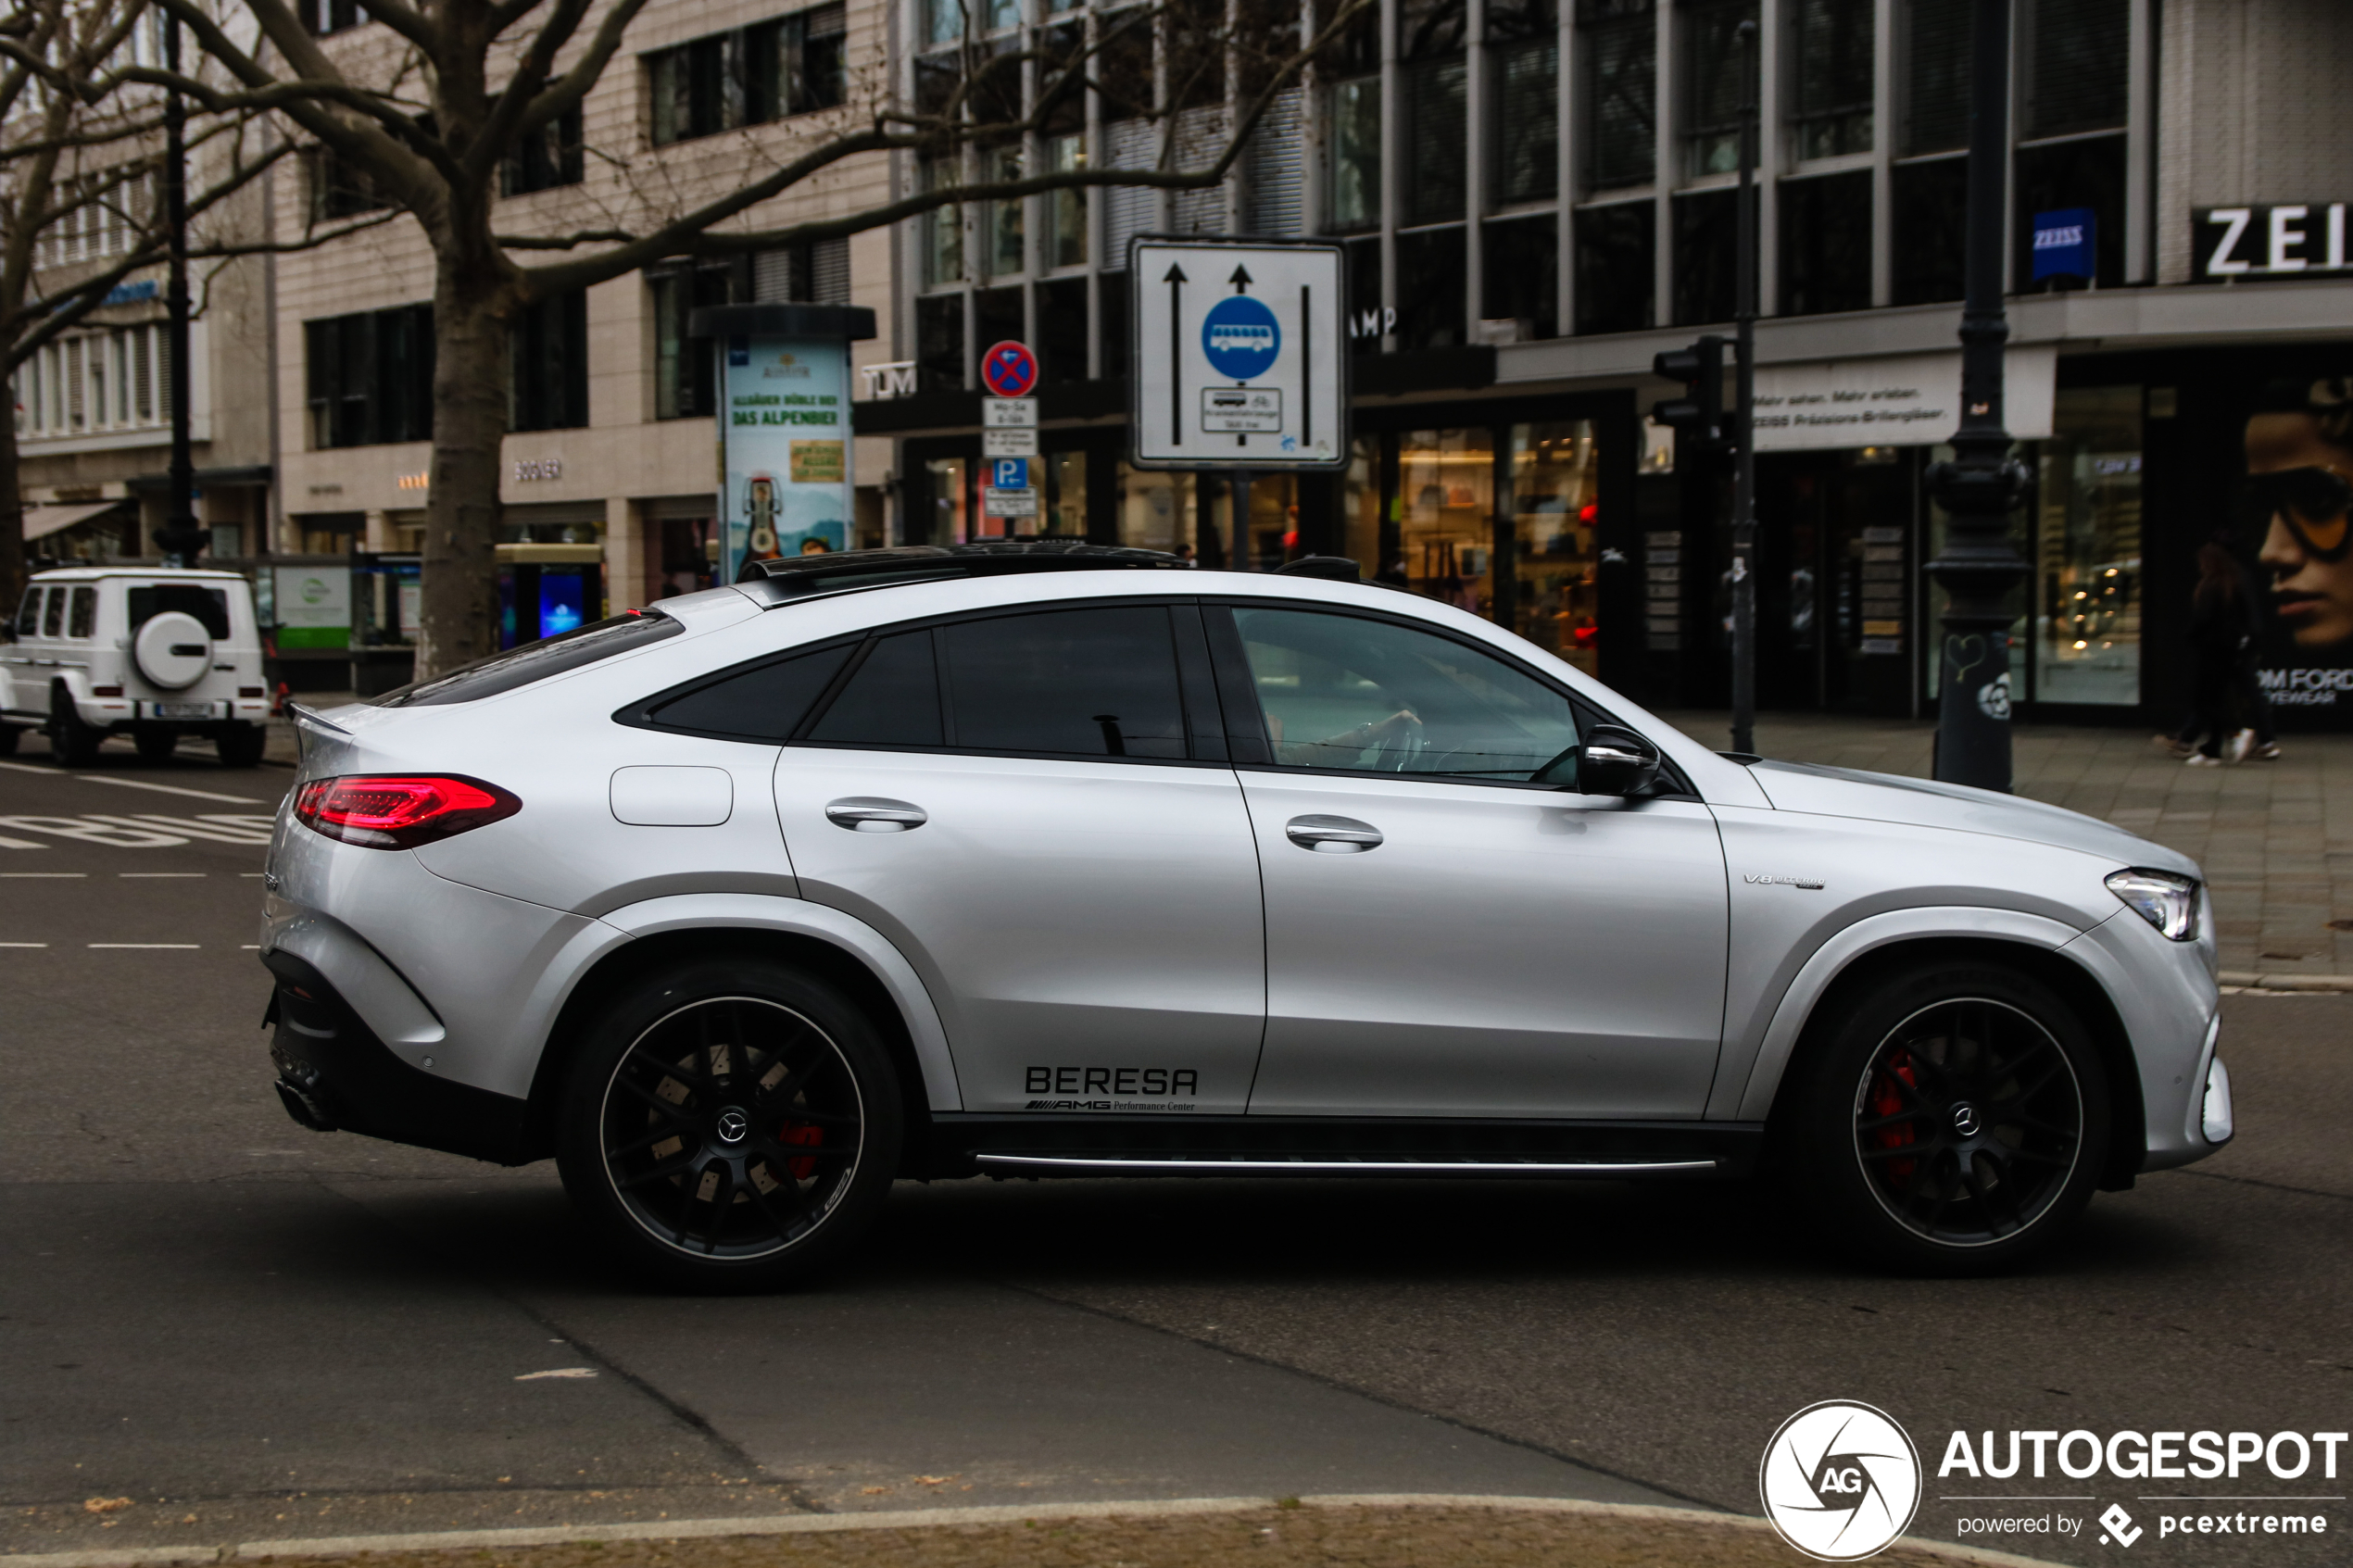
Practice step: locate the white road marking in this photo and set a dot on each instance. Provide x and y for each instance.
(152, 947)
(152, 875)
(21, 844)
(118, 836)
(45, 876)
(254, 875)
(220, 827)
(134, 784)
(249, 947)
(557, 1371)
(23, 944)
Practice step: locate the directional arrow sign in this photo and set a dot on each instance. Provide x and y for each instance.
(1251, 375)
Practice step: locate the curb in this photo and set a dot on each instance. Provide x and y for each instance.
(2251, 980)
(827, 1524)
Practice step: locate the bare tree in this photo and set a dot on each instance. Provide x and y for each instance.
(80, 154)
(472, 81)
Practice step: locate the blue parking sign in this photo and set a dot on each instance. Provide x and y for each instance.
(1010, 474)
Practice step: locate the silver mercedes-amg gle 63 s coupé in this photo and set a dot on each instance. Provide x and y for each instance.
(1050, 859)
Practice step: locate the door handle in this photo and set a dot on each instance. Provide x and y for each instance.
(1332, 836)
(865, 813)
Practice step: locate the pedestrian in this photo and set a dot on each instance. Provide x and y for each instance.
(2258, 735)
(2220, 634)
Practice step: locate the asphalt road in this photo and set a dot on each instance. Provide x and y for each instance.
(251, 1331)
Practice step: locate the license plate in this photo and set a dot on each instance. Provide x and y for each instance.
(182, 709)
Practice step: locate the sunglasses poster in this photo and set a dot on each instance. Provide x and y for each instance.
(2295, 532)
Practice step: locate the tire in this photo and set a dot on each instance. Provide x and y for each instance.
(74, 742)
(1990, 1075)
(664, 1135)
(155, 746)
(241, 745)
(8, 734)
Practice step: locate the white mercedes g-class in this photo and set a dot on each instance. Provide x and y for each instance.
(153, 652)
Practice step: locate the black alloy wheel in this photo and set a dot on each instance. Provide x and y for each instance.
(73, 742)
(1949, 1119)
(1968, 1121)
(729, 1125)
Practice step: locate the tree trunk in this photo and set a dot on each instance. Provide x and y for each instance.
(12, 551)
(472, 320)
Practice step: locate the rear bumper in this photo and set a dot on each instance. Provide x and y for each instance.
(335, 1073)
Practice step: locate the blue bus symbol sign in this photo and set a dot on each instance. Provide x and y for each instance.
(1241, 337)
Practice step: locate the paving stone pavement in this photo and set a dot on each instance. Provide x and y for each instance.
(2276, 838)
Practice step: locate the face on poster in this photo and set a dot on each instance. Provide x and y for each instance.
(785, 407)
(2297, 499)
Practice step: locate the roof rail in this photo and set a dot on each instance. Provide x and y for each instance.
(794, 576)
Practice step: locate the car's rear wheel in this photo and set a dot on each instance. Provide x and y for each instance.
(730, 1124)
(74, 744)
(8, 734)
(241, 745)
(1952, 1119)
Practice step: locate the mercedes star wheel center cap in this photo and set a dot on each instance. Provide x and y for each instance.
(733, 1125)
(1964, 1120)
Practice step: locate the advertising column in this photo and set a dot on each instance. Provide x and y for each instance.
(783, 458)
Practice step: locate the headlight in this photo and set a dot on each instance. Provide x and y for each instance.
(2165, 901)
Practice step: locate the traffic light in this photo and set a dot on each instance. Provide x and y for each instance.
(1697, 416)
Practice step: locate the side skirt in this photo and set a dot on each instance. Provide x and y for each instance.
(1060, 1144)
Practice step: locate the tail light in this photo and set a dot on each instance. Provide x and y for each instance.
(400, 812)
(253, 691)
(105, 691)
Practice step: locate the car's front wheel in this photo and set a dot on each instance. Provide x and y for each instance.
(1951, 1119)
(74, 744)
(730, 1124)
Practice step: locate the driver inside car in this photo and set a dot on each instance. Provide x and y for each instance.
(1341, 751)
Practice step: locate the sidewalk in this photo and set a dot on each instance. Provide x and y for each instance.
(2276, 838)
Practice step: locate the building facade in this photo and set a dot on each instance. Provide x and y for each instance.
(1536, 198)
(608, 476)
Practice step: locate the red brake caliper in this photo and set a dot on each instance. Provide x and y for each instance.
(808, 1136)
(1886, 1099)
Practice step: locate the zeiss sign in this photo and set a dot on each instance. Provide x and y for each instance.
(2277, 240)
(2064, 243)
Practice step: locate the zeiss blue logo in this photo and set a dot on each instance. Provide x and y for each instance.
(2065, 243)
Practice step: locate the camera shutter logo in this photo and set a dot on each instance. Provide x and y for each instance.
(1839, 1481)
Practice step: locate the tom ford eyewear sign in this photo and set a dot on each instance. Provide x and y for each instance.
(2277, 240)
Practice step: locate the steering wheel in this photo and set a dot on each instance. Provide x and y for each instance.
(1399, 752)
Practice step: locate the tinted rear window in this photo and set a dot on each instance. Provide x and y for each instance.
(765, 703)
(1084, 682)
(892, 700)
(537, 661)
(209, 606)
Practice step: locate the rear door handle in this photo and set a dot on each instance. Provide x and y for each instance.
(1332, 836)
(867, 813)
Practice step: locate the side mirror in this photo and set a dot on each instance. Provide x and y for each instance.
(1615, 760)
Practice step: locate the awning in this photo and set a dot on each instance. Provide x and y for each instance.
(42, 522)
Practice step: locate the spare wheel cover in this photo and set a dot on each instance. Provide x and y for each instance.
(173, 650)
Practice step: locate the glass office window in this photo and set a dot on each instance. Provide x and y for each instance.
(2077, 66)
(1716, 85)
(1834, 88)
(1523, 48)
(1432, 273)
(2087, 550)
(1431, 179)
(2088, 172)
(1826, 243)
(1522, 274)
(1705, 249)
(1356, 142)
(1936, 76)
(1620, 48)
(1927, 231)
(1617, 250)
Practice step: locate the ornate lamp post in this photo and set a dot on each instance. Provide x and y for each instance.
(1984, 484)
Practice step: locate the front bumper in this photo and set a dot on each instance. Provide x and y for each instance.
(335, 1073)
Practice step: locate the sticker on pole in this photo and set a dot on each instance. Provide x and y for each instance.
(1009, 370)
(1240, 352)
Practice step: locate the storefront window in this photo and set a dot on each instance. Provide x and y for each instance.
(950, 518)
(2087, 557)
(1360, 506)
(1273, 520)
(1553, 587)
(1155, 508)
(1446, 495)
(1066, 499)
